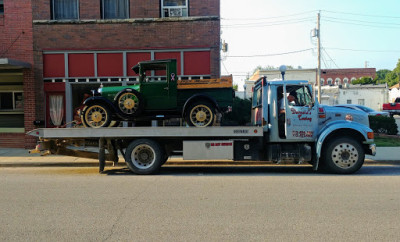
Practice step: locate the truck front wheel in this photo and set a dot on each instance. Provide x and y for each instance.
(200, 114)
(144, 156)
(343, 156)
(96, 116)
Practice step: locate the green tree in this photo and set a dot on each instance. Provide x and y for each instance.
(364, 81)
(392, 78)
(381, 75)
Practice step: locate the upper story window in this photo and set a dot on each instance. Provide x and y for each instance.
(115, 9)
(1, 7)
(174, 8)
(65, 9)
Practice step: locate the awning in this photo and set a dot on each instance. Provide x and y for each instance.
(6, 64)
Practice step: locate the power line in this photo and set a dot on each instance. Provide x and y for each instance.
(360, 50)
(365, 15)
(266, 24)
(362, 21)
(265, 55)
(283, 16)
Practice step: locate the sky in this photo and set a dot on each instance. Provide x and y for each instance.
(354, 34)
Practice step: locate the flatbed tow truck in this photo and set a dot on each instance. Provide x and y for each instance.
(331, 139)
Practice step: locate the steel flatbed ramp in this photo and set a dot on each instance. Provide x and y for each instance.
(125, 132)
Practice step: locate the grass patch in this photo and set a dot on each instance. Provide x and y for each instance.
(387, 141)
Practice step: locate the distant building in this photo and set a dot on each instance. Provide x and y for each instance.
(292, 74)
(329, 77)
(394, 92)
(345, 76)
(372, 96)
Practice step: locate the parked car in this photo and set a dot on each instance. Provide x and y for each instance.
(368, 110)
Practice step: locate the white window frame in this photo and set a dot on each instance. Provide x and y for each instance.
(126, 10)
(345, 80)
(337, 81)
(330, 81)
(184, 10)
(54, 15)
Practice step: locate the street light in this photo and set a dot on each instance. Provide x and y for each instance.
(282, 69)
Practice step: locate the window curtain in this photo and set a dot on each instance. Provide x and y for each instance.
(65, 9)
(56, 109)
(115, 9)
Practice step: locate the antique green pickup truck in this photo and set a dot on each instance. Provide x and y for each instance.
(161, 96)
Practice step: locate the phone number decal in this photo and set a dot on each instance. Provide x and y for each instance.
(302, 134)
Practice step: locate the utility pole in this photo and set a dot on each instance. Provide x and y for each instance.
(319, 56)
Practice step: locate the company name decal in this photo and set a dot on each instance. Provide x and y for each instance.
(302, 115)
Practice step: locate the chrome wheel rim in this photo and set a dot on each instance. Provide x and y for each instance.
(143, 156)
(345, 155)
(201, 115)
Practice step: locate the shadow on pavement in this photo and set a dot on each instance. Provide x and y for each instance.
(367, 170)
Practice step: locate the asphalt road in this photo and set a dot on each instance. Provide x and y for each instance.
(271, 203)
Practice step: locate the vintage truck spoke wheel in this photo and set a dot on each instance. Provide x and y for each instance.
(130, 102)
(96, 116)
(201, 115)
(144, 156)
(343, 155)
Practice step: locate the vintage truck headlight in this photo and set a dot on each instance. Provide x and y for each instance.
(100, 90)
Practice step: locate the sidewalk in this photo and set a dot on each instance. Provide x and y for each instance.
(21, 157)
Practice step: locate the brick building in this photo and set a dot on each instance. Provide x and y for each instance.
(78, 45)
(17, 84)
(345, 76)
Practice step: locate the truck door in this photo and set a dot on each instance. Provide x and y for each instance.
(301, 120)
(160, 92)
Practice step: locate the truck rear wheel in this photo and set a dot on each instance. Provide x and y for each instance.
(96, 116)
(200, 114)
(144, 156)
(343, 156)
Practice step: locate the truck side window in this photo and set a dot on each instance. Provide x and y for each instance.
(257, 98)
(303, 96)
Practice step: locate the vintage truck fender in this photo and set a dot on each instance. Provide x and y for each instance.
(342, 127)
(103, 101)
(199, 97)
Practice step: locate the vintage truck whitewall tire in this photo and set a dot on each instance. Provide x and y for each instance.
(144, 156)
(342, 155)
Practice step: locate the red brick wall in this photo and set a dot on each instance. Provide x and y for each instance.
(16, 31)
(90, 9)
(204, 8)
(30, 108)
(41, 9)
(121, 36)
(346, 73)
(16, 42)
(8, 140)
(145, 9)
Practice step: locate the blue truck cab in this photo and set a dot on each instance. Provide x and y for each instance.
(297, 129)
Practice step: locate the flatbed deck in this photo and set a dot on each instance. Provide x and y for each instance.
(165, 132)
